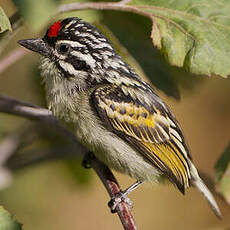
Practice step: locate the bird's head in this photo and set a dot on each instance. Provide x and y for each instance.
(75, 50)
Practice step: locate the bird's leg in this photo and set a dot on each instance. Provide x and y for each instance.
(119, 197)
(87, 159)
(132, 188)
(122, 196)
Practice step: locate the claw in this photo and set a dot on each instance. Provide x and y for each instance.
(117, 199)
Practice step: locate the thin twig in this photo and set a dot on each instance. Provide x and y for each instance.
(121, 6)
(20, 108)
(123, 2)
(33, 112)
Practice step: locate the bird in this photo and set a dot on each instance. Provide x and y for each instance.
(115, 114)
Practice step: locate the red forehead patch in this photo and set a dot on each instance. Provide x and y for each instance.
(54, 29)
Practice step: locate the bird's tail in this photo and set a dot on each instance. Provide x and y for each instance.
(198, 182)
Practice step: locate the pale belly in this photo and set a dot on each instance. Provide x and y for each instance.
(112, 150)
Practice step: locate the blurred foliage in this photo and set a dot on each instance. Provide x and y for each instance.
(4, 22)
(222, 174)
(7, 222)
(80, 175)
(37, 14)
(222, 164)
(91, 16)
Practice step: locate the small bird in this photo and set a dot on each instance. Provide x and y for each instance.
(115, 114)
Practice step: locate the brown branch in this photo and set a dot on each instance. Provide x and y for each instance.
(16, 107)
(102, 6)
(113, 188)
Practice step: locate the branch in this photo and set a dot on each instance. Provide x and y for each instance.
(27, 159)
(102, 6)
(113, 188)
(27, 110)
(16, 107)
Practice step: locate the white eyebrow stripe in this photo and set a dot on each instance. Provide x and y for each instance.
(72, 43)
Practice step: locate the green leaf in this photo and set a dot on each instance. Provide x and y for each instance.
(222, 174)
(36, 13)
(4, 22)
(191, 34)
(7, 221)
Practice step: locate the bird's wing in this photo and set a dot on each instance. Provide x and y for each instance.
(145, 122)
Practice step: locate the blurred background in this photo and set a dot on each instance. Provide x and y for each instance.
(60, 194)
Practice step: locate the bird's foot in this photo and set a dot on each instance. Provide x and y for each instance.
(87, 159)
(117, 199)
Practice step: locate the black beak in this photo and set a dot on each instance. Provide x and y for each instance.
(37, 45)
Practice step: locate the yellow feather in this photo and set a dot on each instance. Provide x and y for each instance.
(166, 154)
(138, 117)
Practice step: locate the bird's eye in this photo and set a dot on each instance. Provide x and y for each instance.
(63, 48)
